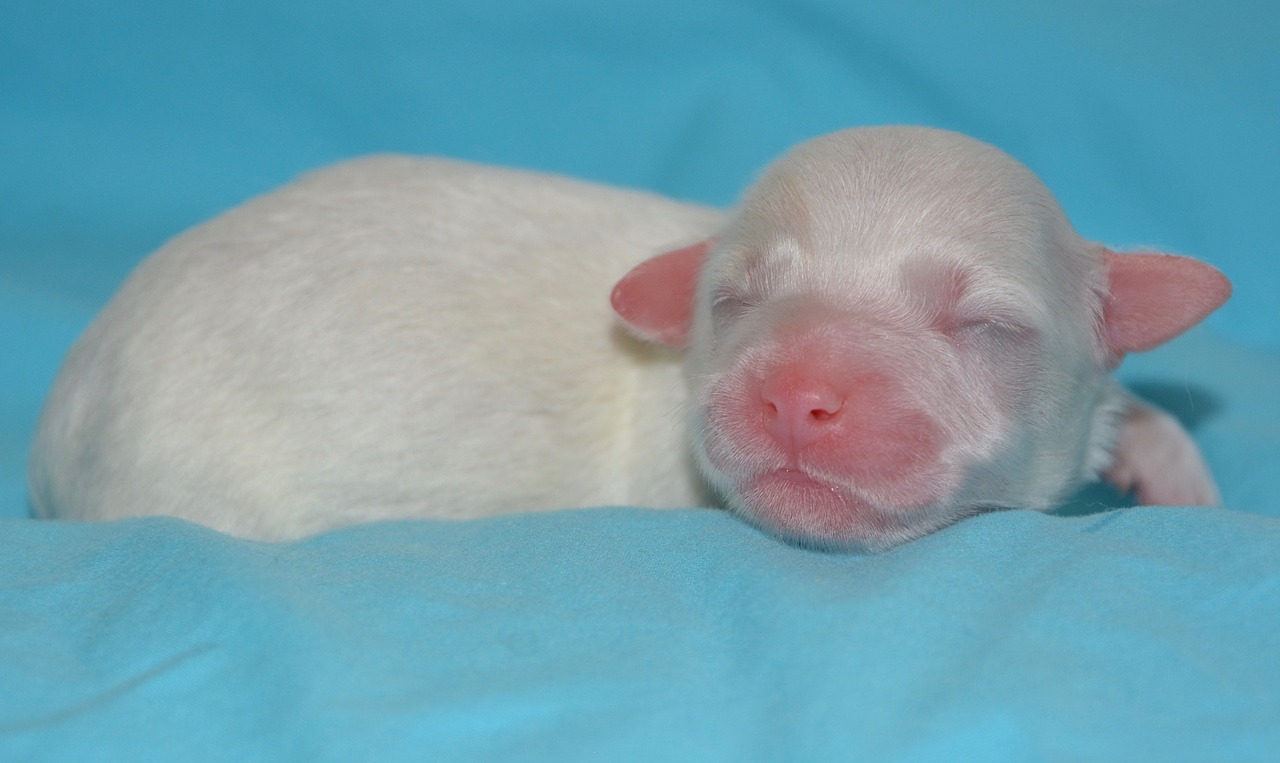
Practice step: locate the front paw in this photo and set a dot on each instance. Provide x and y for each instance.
(1157, 461)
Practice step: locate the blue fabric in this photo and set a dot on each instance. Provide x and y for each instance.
(1099, 633)
(620, 634)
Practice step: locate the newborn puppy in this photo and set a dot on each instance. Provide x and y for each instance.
(897, 328)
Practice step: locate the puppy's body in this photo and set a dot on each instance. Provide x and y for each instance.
(391, 337)
(897, 328)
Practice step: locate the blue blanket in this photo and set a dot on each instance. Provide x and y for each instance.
(1101, 632)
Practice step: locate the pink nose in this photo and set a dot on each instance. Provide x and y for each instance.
(798, 411)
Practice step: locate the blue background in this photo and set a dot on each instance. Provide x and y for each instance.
(628, 633)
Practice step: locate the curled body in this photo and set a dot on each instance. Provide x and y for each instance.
(393, 337)
(895, 328)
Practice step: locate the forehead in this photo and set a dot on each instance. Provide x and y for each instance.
(895, 214)
(840, 192)
(949, 278)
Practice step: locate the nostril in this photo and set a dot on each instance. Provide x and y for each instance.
(803, 398)
(822, 414)
(799, 409)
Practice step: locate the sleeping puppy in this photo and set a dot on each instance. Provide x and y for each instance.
(895, 329)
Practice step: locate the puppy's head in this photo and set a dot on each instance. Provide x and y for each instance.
(897, 328)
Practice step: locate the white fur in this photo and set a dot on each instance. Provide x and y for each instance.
(391, 337)
(399, 337)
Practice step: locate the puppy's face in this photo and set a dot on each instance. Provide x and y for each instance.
(885, 338)
(898, 328)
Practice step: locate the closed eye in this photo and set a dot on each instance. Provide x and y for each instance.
(989, 330)
(982, 324)
(981, 315)
(728, 307)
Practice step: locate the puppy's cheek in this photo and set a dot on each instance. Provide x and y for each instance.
(1007, 361)
(735, 440)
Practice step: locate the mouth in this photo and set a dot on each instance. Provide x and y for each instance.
(795, 504)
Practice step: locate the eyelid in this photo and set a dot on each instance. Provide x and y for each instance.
(996, 334)
(1002, 316)
(727, 291)
(727, 304)
(987, 320)
(992, 321)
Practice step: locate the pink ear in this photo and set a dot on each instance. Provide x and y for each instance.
(656, 298)
(1154, 297)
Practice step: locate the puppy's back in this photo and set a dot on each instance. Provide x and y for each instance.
(389, 337)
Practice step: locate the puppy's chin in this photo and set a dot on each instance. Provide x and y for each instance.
(814, 513)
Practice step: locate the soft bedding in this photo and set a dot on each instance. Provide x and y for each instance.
(1103, 631)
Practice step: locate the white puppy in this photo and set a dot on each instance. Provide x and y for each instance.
(897, 328)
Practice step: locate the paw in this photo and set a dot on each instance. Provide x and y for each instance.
(1157, 461)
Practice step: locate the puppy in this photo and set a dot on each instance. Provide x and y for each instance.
(896, 328)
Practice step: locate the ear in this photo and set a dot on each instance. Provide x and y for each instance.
(655, 299)
(1152, 298)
